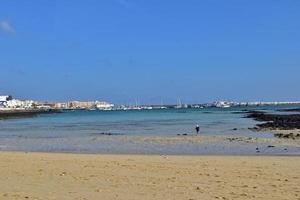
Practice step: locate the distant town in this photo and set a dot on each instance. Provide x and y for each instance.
(7, 102)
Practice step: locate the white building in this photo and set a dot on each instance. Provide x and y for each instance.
(223, 104)
(4, 99)
(8, 102)
(16, 103)
(102, 105)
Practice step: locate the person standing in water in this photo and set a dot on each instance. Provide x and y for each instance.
(197, 129)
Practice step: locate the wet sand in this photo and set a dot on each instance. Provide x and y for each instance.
(83, 176)
(172, 145)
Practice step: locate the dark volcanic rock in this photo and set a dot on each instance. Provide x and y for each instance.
(237, 112)
(105, 133)
(287, 136)
(8, 114)
(273, 121)
(290, 110)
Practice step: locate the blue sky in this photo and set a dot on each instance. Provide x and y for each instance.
(122, 50)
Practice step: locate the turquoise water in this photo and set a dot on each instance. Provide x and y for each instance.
(213, 121)
(76, 130)
(133, 122)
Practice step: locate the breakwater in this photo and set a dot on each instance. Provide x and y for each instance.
(8, 114)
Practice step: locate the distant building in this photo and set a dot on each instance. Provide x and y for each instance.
(102, 105)
(16, 103)
(4, 100)
(9, 103)
(82, 104)
(222, 104)
(51, 105)
(44, 105)
(61, 105)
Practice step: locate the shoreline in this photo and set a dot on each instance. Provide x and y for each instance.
(147, 155)
(43, 176)
(156, 145)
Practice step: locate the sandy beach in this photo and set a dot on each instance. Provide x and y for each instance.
(98, 176)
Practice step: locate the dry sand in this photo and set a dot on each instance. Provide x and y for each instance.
(77, 176)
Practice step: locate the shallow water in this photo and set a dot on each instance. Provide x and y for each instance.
(75, 130)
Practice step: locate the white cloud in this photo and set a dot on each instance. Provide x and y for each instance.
(6, 26)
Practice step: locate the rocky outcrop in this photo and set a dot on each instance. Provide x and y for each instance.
(289, 135)
(274, 121)
(290, 110)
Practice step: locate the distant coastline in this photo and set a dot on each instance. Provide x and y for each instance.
(10, 114)
(8, 102)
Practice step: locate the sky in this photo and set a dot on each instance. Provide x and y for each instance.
(150, 51)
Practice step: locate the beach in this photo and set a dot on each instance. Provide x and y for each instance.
(99, 176)
(149, 100)
(132, 155)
